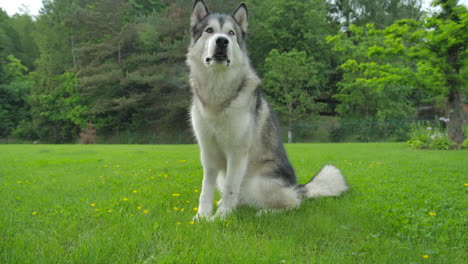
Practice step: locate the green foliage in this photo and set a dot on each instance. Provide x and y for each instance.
(127, 59)
(290, 81)
(464, 145)
(288, 25)
(429, 135)
(377, 82)
(14, 92)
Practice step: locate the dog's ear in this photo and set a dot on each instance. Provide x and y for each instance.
(240, 15)
(200, 11)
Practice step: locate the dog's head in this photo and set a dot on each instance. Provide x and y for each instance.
(217, 40)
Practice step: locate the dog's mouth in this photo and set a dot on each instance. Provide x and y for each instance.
(219, 58)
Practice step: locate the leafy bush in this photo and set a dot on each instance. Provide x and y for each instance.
(464, 145)
(416, 144)
(429, 135)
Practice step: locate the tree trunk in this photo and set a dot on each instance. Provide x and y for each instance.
(455, 114)
(73, 51)
(290, 123)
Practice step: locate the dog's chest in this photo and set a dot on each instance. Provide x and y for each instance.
(231, 127)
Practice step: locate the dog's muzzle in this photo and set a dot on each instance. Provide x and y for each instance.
(220, 52)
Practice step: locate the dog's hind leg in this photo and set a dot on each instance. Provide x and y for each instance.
(270, 195)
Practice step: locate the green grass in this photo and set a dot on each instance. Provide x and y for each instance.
(46, 215)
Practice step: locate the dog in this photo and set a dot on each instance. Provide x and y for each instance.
(237, 133)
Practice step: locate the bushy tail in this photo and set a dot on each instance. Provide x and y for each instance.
(328, 182)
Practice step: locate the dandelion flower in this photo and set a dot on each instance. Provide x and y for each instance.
(34, 213)
(175, 208)
(425, 256)
(432, 214)
(191, 222)
(195, 190)
(97, 210)
(182, 209)
(145, 211)
(134, 191)
(125, 199)
(176, 194)
(109, 211)
(93, 204)
(139, 207)
(195, 208)
(466, 184)
(132, 214)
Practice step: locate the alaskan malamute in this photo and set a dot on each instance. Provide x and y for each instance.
(238, 135)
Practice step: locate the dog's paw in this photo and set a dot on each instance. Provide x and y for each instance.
(222, 213)
(201, 217)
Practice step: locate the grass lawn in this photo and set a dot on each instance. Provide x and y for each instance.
(134, 204)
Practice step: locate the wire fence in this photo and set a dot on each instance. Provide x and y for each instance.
(302, 132)
(354, 131)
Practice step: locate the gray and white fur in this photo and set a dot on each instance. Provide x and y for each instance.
(238, 135)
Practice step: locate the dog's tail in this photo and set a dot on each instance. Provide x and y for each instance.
(328, 182)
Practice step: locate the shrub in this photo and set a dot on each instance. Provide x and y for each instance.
(429, 135)
(464, 145)
(416, 144)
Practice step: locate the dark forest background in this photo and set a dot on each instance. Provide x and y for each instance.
(100, 69)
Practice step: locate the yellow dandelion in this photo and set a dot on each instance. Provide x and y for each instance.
(176, 194)
(34, 213)
(125, 199)
(466, 184)
(134, 191)
(195, 208)
(132, 214)
(425, 256)
(175, 208)
(145, 211)
(191, 222)
(187, 201)
(109, 211)
(97, 210)
(182, 209)
(93, 204)
(139, 207)
(432, 214)
(195, 190)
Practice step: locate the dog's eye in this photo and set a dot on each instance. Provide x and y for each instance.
(209, 30)
(232, 33)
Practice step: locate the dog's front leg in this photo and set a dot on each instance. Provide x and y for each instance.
(205, 205)
(236, 168)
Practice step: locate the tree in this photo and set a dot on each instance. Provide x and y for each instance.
(376, 85)
(290, 82)
(409, 59)
(380, 13)
(14, 91)
(444, 45)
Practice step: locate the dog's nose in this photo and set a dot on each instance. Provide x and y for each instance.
(222, 42)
